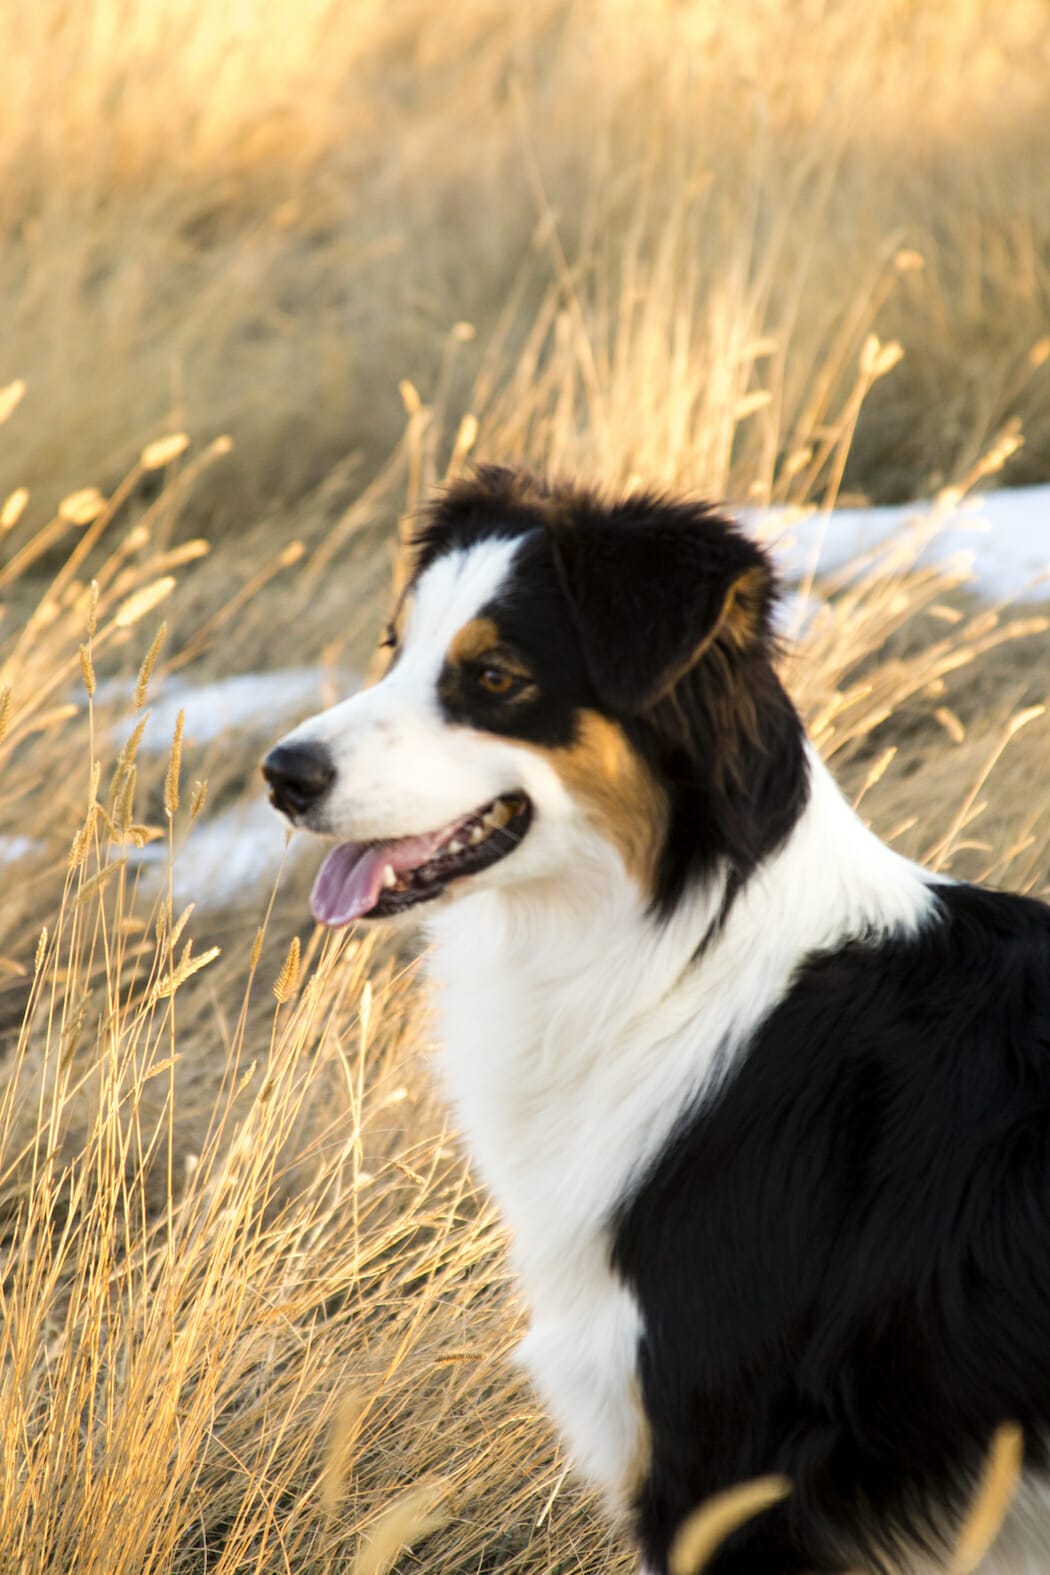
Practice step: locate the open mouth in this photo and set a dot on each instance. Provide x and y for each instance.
(378, 879)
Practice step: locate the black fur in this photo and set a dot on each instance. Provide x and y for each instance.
(844, 1264)
(648, 581)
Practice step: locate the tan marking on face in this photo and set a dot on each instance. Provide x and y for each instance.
(473, 641)
(619, 793)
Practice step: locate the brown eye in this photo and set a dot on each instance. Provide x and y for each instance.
(497, 681)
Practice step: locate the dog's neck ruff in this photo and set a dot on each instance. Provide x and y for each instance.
(577, 1025)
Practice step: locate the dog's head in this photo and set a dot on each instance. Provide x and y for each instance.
(567, 679)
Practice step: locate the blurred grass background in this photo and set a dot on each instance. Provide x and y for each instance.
(268, 272)
(257, 219)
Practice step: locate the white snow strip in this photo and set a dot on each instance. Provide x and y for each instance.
(259, 702)
(1003, 536)
(226, 858)
(14, 848)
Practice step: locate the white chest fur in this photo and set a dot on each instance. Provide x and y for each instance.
(539, 1071)
(576, 1031)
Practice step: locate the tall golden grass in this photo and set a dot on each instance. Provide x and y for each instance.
(259, 220)
(254, 1316)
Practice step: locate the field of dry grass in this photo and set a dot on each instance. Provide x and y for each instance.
(268, 273)
(258, 220)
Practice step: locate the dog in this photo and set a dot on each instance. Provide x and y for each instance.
(766, 1106)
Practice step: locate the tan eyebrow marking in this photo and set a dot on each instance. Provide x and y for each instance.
(473, 641)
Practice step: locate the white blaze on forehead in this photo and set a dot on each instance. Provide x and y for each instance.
(451, 592)
(401, 770)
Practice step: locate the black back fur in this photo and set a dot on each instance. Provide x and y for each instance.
(844, 1265)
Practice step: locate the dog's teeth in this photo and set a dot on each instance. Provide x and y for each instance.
(455, 846)
(477, 834)
(499, 815)
(389, 878)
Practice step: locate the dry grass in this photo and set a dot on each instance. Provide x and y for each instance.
(259, 221)
(254, 1317)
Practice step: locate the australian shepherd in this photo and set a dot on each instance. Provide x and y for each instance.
(766, 1106)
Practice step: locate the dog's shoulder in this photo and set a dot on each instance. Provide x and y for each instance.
(861, 1220)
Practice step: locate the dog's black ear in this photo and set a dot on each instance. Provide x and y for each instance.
(653, 587)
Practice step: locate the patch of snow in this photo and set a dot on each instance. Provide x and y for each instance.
(224, 858)
(1003, 538)
(13, 848)
(257, 701)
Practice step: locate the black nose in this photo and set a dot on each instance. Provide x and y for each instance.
(299, 775)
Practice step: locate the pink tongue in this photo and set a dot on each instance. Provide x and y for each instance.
(348, 884)
(351, 878)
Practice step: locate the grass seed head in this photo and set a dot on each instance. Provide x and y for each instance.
(409, 397)
(149, 661)
(342, 1441)
(288, 978)
(80, 508)
(156, 455)
(171, 779)
(181, 923)
(82, 841)
(124, 813)
(417, 1513)
(140, 602)
(466, 437)
(11, 396)
(87, 669)
(995, 1494)
(14, 508)
(129, 750)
